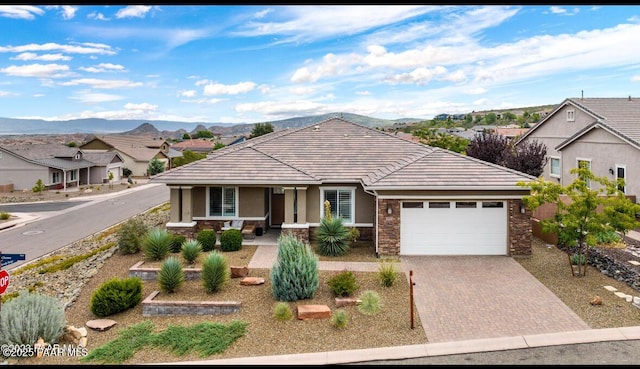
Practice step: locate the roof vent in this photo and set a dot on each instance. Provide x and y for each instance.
(346, 135)
(316, 128)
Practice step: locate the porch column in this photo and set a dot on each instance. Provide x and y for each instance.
(187, 206)
(64, 180)
(289, 200)
(174, 199)
(302, 205)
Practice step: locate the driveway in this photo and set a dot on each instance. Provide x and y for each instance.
(472, 297)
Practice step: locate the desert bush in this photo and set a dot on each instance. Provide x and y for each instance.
(282, 311)
(332, 237)
(130, 235)
(387, 274)
(171, 275)
(207, 238)
(156, 243)
(340, 318)
(116, 295)
(231, 240)
(215, 271)
(191, 250)
(4, 215)
(607, 238)
(343, 284)
(370, 303)
(30, 316)
(294, 276)
(176, 243)
(353, 235)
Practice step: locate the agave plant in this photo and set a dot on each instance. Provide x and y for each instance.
(190, 250)
(332, 237)
(157, 243)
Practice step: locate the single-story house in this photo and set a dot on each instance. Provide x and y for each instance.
(409, 198)
(200, 145)
(136, 151)
(57, 165)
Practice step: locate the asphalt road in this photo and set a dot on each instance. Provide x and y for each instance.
(37, 207)
(62, 225)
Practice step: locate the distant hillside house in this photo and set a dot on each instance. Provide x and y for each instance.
(57, 165)
(136, 151)
(201, 145)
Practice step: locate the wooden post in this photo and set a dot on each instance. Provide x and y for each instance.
(411, 295)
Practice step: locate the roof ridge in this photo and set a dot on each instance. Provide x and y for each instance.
(496, 166)
(284, 162)
(377, 174)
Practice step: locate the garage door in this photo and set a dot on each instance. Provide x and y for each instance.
(453, 228)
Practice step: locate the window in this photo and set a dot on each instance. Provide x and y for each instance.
(342, 202)
(466, 204)
(222, 201)
(413, 205)
(55, 177)
(571, 115)
(584, 163)
(554, 167)
(73, 175)
(439, 204)
(492, 204)
(621, 173)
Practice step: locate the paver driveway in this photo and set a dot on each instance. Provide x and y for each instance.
(471, 297)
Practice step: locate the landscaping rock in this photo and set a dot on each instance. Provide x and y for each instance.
(101, 324)
(306, 312)
(238, 272)
(346, 301)
(597, 300)
(251, 281)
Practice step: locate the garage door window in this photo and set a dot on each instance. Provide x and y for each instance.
(439, 204)
(466, 204)
(492, 204)
(413, 205)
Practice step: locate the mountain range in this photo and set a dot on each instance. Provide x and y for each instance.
(169, 129)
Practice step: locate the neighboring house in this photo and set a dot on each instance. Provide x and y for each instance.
(136, 151)
(232, 140)
(199, 145)
(57, 165)
(604, 133)
(104, 163)
(407, 197)
(510, 133)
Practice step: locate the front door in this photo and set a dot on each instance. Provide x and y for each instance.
(277, 207)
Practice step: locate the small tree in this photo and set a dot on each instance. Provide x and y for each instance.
(529, 157)
(488, 147)
(39, 187)
(583, 211)
(431, 137)
(261, 129)
(110, 179)
(155, 167)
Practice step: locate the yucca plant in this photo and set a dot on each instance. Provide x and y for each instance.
(171, 275)
(340, 319)
(191, 250)
(370, 303)
(157, 243)
(215, 271)
(332, 237)
(282, 311)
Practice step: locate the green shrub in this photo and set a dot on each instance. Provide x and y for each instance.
(191, 250)
(369, 303)
(294, 276)
(4, 215)
(231, 240)
(176, 243)
(207, 238)
(578, 259)
(607, 238)
(116, 295)
(282, 311)
(29, 316)
(387, 274)
(332, 237)
(156, 243)
(353, 235)
(171, 276)
(343, 284)
(215, 271)
(340, 318)
(130, 235)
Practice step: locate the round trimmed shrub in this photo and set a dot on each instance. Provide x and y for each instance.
(215, 271)
(30, 316)
(343, 284)
(207, 238)
(231, 240)
(176, 243)
(332, 237)
(171, 275)
(130, 235)
(116, 295)
(156, 244)
(191, 250)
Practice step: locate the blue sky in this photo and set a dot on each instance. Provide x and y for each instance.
(248, 64)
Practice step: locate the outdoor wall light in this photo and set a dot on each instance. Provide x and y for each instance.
(389, 211)
(522, 209)
(611, 171)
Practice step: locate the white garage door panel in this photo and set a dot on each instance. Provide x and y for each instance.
(453, 231)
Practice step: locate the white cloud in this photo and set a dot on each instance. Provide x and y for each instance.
(363, 93)
(188, 93)
(88, 48)
(477, 91)
(20, 11)
(67, 11)
(301, 90)
(103, 67)
(45, 57)
(220, 89)
(97, 16)
(262, 13)
(562, 11)
(141, 107)
(635, 79)
(136, 11)
(419, 76)
(280, 108)
(102, 83)
(88, 97)
(37, 70)
(5, 93)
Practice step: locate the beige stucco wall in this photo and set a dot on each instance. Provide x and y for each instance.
(605, 151)
(251, 202)
(21, 173)
(199, 198)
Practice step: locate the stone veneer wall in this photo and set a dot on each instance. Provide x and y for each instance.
(192, 232)
(151, 307)
(388, 227)
(301, 233)
(520, 231)
(150, 274)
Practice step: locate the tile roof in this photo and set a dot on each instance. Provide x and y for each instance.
(195, 144)
(57, 156)
(337, 150)
(140, 148)
(100, 158)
